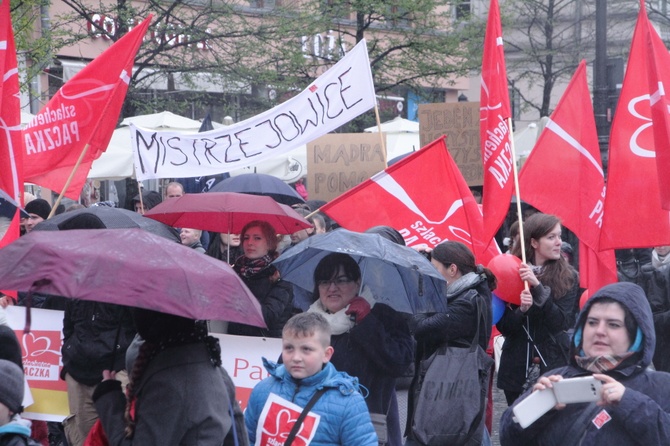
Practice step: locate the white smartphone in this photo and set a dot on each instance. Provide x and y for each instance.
(584, 389)
(534, 406)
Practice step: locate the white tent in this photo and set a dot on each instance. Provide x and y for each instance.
(525, 139)
(402, 136)
(117, 161)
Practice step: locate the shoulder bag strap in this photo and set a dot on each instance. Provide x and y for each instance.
(574, 435)
(303, 414)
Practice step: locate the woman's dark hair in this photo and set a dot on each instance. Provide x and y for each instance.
(268, 232)
(556, 274)
(329, 266)
(452, 252)
(629, 319)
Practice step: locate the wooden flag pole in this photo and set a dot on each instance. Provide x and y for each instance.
(381, 137)
(515, 171)
(69, 180)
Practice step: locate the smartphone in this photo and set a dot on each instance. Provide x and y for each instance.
(534, 406)
(584, 389)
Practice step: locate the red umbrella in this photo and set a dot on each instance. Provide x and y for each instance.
(128, 267)
(226, 212)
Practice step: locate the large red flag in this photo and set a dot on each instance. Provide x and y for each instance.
(633, 216)
(564, 176)
(424, 196)
(659, 70)
(83, 112)
(494, 131)
(11, 175)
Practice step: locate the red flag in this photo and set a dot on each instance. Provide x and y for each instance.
(596, 269)
(11, 175)
(84, 111)
(430, 207)
(633, 216)
(564, 176)
(494, 131)
(659, 67)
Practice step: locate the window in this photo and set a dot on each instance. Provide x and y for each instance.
(337, 8)
(264, 4)
(515, 102)
(463, 9)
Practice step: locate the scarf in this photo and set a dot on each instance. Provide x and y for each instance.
(604, 363)
(248, 268)
(339, 322)
(658, 261)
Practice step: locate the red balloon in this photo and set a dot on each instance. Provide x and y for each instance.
(506, 269)
(583, 299)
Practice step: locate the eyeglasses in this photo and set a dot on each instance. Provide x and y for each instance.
(338, 282)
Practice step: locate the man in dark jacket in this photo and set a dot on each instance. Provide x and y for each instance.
(95, 338)
(635, 402)
(655, 280)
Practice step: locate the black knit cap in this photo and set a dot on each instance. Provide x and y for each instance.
(39, 206)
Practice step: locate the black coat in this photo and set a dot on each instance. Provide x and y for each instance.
(90, 330)
(642, 417)
(548, 322)
(377, 351)
(276, 299)
(656, 285)
(457, 327)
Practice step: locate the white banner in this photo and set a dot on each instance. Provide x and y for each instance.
(339, 95)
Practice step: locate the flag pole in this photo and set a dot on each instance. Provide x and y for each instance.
(381, 137)
(515, 171)
(139, 188)
(69, 180)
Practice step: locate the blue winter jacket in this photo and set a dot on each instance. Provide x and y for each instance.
(642, 417)
(344, 416)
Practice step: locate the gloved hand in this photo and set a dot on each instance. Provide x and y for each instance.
(359, 308)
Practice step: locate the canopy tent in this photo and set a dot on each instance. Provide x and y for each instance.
(402, 136)
(525, 139)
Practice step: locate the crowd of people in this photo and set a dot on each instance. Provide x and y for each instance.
(147, 378)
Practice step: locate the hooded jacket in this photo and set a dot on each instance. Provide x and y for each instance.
(344, 415)
(642, 417)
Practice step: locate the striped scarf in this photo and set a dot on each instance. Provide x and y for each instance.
(604, 363)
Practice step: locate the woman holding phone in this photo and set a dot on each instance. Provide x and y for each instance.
(614, 341)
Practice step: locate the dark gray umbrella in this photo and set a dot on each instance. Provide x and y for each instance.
(110, 218)
(260, 184)
(396, 275)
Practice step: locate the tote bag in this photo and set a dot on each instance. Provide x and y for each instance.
(451, 398)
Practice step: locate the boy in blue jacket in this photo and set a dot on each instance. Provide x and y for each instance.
(339, 417)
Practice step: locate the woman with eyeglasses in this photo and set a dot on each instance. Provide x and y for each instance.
(371, 340)
(259, 243)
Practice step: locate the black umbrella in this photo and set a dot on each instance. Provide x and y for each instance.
(111, 218)
(260, 184)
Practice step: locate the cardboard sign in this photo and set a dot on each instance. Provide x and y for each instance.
(339, 161)
(277, 420)
(459, 121)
